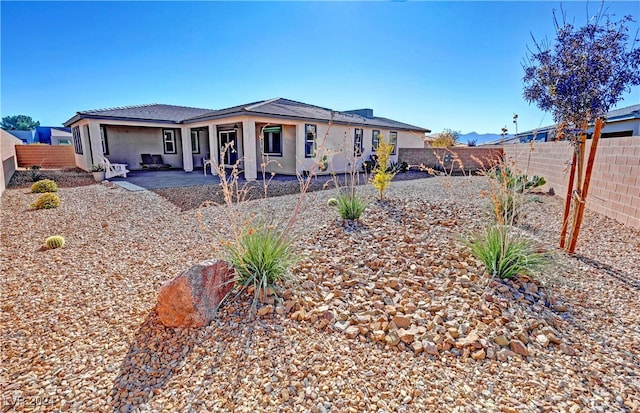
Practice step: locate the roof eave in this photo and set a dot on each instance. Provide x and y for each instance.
(80, 116)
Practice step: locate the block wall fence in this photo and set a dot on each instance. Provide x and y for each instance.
(615, 181)
(614, 190)
(436, 158)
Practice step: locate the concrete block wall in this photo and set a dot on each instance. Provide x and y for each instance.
(615, 181)
(439, 158)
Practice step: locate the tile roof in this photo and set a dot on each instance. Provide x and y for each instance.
(278, 107)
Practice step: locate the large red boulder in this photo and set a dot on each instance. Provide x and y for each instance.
(191, 299)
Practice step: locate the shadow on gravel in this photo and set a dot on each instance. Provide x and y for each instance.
(622, 276)
(154, 356)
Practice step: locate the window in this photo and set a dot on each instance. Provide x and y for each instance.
(393, 140)
(64, 141)
(103, 140)
(195, 141)
(272, 140)
(77, 140)
(374, 139)
(310, 134)
(357, 142)
(169, 140)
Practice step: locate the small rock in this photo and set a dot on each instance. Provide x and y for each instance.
(378, 335)
(567, 349)
(430, 348)
(518, 347)
(417, 347)
(351, 332)
(479, 355)
(542, 340)
(402, 321)
(265, 310)
(501, 340)
(341, 325)
(392, 338)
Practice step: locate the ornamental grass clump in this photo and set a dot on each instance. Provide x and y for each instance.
(350, 205)
(506, 254)
(262, 255)
(44, 185)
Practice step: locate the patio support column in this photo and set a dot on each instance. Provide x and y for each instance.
(300, 148)
(249, 148)
(213, 145)
(96, 142)
(187, 156)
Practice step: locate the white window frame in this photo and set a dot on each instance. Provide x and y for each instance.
(393, 140)
(104, 140)
(267, 136)
(195, 141)
(310, 129)
(169, 136)
(357, 140)
(374, 139)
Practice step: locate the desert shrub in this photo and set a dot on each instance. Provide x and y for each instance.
(350, 205)
(55, 241)
(447, 139)
(508, 192)
(383, 175)
(262, 255)
(505, 254)
(46, 201)
(44, 185)
(34, 173)
(519, 183)
(397, 168)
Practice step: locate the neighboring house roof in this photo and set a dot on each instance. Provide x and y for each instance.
(278, 107)
(25, 136)
(43, 134)
(616, 115)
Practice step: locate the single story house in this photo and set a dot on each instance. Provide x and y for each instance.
(277, 135)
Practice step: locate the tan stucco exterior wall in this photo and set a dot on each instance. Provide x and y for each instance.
(127, 140)
(126, 143)
(8, 144)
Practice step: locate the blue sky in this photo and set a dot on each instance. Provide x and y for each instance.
(433, 64)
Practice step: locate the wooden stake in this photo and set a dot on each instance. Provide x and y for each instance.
(567, 202)
(585, 189)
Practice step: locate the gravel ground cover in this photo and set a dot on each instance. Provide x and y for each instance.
(390, 315)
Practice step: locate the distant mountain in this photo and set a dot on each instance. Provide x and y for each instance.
(480, 138)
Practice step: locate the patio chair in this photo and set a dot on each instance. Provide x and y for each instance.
(113, 169)
(147, 161)
(153, 161)
(159, 162)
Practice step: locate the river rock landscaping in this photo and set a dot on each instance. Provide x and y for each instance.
(392, 314)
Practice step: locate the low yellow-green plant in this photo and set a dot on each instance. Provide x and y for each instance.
(382, 175)
(44, 185)
(350, 205)
(46, 201)
(55, 241)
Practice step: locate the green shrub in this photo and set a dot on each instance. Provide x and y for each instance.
(350, 206)
(262, 256)
(44, 185)
(55, 241)
(395, 168)
(505, 254)
(34, 173)
(519, 183)
(46, 201)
